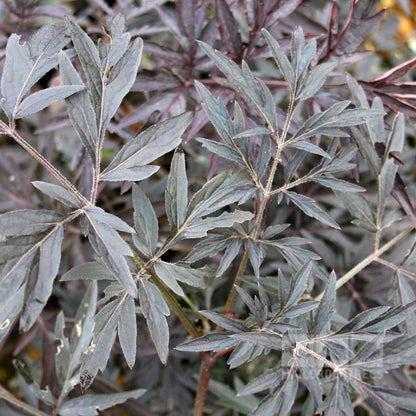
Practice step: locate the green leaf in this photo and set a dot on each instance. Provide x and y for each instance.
(91, 270)
(198, 227)
(41, 289)
(311, 208)
(176, 194)
(268, 380)
(26, 222)
(168, 272)
(129, 163)
(359, 208)
(11, 306)
(145, 223)
(310, 148)
(229, 324)
(43, 98)
(79, 107)
(298, 284)
(315, 80)
(26, 63)
(331, 120)
(338, 402)
(90, 61)
(127, 331)
(89, 404)
(121, 78)
(155, 310)
(211, 342)
(337, 184)
(326, 306)
(367, 149)
(58, 192)
(109, 245)
(105, 328)
(281, 59)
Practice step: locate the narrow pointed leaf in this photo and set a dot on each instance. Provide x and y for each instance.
(42, 99)
(89, 404)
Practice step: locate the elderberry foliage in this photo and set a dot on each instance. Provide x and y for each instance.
(204, 211)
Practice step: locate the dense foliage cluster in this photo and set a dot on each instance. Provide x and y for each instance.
(207, 207)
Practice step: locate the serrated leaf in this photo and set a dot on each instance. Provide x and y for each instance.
(155, 310)
(90, 61)
(199, 227)
(310, 148)
(105, 328)
(79, 107)
(221, 149)
(176, 194)
(256, 255)
(129, 163)
(298, 284)
(89, 404)
(338, 184)
(262, 338)
(222, 190)
(329, 121)
(49, 261)
(163, 273)
(326, 306)
(242, 81)
(11, 307)
(228, 398)
(229, 324)
(367, 149)
(26, 63)
(315, 80)
(310, 379)
(230, 254)
(269, 379)
(116, 26)
(395, 140)
(82, 331)
(338, 402)
(281, 400)
(182, 273)
(26, 222)
(127, 330)
(310, 207)
(43, 98)
(68, 354)
(58, 192)
(121, 78)
(145, 223)
(108, 244)
(91, 270)
(211, 342)
(281, 59)
(398, 352)
(359, 207)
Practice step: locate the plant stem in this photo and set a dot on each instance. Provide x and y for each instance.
(266, 196)
(177, 308)
(170, 299)
(240, 271)
(368, 260)
(208, 363)
(44, 162)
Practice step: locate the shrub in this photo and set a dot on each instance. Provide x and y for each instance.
(142, 251)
